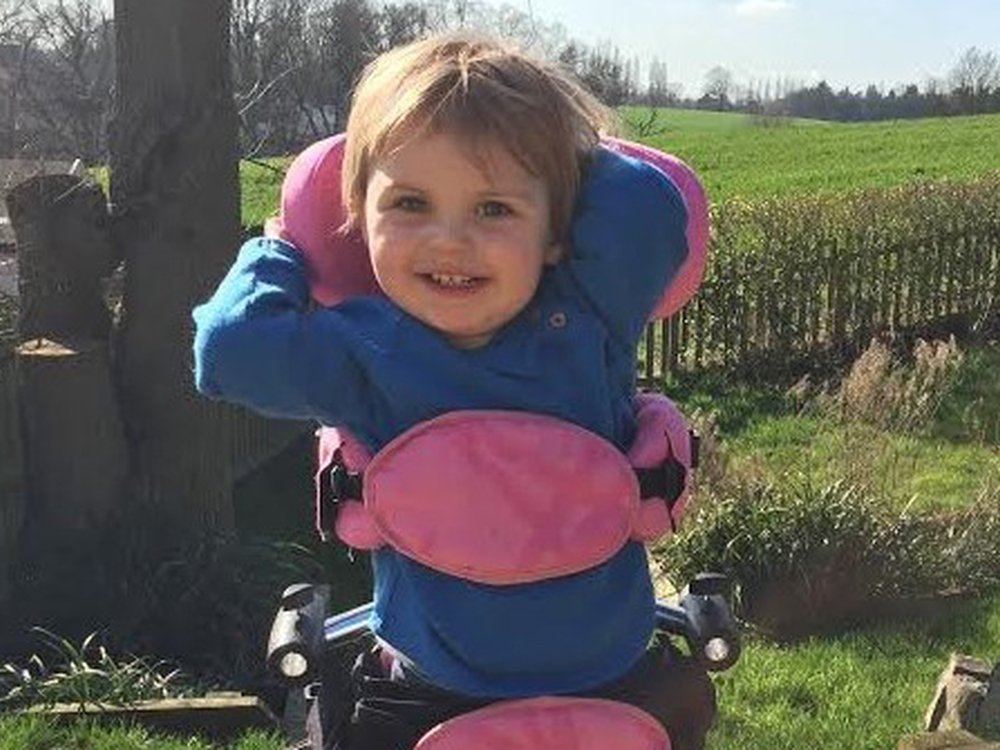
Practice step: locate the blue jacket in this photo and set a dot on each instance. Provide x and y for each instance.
(367, 365)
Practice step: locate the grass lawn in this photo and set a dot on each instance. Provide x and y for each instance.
(37, 733)
(858, 691)
(926, 473)
(863, 689)
(948, 463)
(691, 121)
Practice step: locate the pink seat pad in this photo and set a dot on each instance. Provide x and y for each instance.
(550, 724)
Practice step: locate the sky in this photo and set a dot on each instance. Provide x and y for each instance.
(850, 43)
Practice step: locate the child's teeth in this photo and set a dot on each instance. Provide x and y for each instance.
(451, 280)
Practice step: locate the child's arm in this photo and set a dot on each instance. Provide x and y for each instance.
(628, 240)
(258, 343)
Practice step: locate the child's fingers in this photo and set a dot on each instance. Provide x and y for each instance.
(273, 227)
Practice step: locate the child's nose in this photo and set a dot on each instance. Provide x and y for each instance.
(452, 233)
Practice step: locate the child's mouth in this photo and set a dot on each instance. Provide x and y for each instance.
(453, 280)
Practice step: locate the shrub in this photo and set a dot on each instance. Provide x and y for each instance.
(808, 557)
(87, 674)
(209, 605)
(902, 397)
(803, 557)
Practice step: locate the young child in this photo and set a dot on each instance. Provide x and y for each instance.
(518, 263)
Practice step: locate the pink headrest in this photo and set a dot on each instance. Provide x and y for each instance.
(688, 277)
(312, 215)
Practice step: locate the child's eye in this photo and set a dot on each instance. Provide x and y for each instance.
(410, 203)
(493, 210)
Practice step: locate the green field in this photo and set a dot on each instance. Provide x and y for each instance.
(738, 156)
(702, 120)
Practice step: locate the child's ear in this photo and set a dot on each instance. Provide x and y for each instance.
(553, 253)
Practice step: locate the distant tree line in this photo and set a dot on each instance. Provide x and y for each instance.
(972, 86)
(294, 63)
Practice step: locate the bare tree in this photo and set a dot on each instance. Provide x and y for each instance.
(56, 70)
(270, 48)
(69, 88)
(975, 76)
(451, 14)
(718, 87)
(296, 62)
(402, 23)
(659, 91)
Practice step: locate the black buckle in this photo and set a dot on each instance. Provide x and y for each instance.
(344, 485)
(336, 483)
(665, 480)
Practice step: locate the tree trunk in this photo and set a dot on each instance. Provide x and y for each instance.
(174, 186)
(71, 445)
(63, 255)
(76, 458)
(11, 476)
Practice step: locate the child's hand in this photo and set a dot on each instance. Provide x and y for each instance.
(274, 228)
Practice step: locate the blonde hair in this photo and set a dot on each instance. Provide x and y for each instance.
(481, 90)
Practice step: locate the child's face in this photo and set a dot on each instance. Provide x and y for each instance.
(457, 237)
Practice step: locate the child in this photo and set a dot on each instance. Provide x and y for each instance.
(518, 263)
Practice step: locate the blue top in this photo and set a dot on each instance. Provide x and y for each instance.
(367, 365)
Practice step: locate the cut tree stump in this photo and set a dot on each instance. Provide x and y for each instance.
(74, 442)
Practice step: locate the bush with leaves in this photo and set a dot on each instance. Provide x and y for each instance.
(808, 557)
(802, 556)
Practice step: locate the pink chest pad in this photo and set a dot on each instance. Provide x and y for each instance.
(501, 497)
(507, 497)
(549, 723)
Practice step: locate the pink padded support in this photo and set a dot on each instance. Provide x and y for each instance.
(661, 432)
(688, 278)
(312, 218)
(550, 724)
(443, 493)
(518, 525)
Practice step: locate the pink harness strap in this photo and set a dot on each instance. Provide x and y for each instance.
(507, 497)
(550, 724)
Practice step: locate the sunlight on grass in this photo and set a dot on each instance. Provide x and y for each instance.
(861, 691)
(947, 456)
(260, 185)
(931, 473)
(736, 156)
(39, 733)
